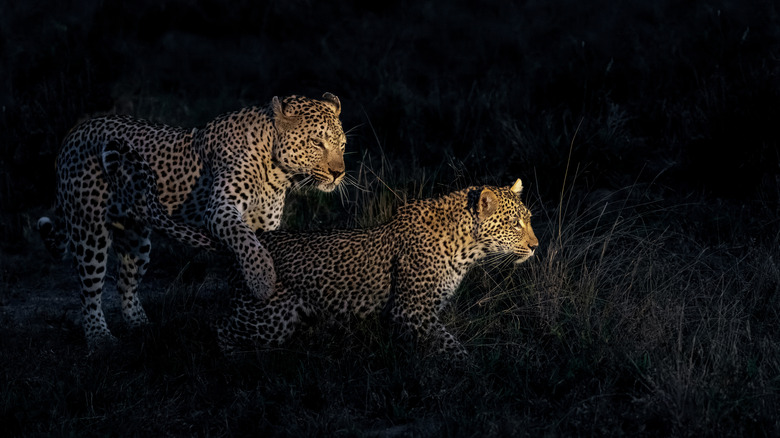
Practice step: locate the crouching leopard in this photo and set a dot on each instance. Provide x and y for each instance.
(229, 178)
(409, 267)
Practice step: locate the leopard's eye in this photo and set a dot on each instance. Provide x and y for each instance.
(318, 142)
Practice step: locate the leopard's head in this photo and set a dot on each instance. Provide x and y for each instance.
(310, 139)
(503, 223)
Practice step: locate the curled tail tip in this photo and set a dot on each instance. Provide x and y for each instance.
(51, 237)
(44, 225)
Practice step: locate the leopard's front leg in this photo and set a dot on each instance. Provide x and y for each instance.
(417, 315)
(418, 298)
(224, 221)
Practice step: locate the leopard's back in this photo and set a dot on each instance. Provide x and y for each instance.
(337, 271)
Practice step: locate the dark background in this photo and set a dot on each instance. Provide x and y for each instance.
(646, 133)
(683, 94)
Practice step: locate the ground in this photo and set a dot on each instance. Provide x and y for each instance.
(612, 328)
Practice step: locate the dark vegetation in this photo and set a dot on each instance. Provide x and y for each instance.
(644, 132)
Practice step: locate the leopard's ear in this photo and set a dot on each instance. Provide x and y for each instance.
(333, 102)
(517, 187)
(282, 119)
(482, 202)
(280, 110)
(488, 203)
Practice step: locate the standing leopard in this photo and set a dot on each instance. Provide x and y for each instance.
(409, 267)
(229, 178)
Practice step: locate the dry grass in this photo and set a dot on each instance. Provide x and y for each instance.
(620, 324)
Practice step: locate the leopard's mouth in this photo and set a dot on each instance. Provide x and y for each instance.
(520, 257)
(327, 181)
(315, 180)
(326, 186)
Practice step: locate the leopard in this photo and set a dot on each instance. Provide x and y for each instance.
(227, 180)
(407, 269)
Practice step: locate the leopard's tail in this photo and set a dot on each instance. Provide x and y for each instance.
(124, 167)
(53, 236)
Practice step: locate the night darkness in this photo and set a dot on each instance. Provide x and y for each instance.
(645, 132)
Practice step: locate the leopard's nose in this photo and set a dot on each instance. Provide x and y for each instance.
(336, 173)
(532, 246)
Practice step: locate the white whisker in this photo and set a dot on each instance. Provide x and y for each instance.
(352, 181)
(300, 184)
(349, 131)
(343, 194)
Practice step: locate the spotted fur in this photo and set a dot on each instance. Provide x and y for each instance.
(409, 267)
(229, 178)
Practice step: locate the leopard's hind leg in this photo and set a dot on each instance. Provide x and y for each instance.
(254, 321)
(132, 246)
(83, 201)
